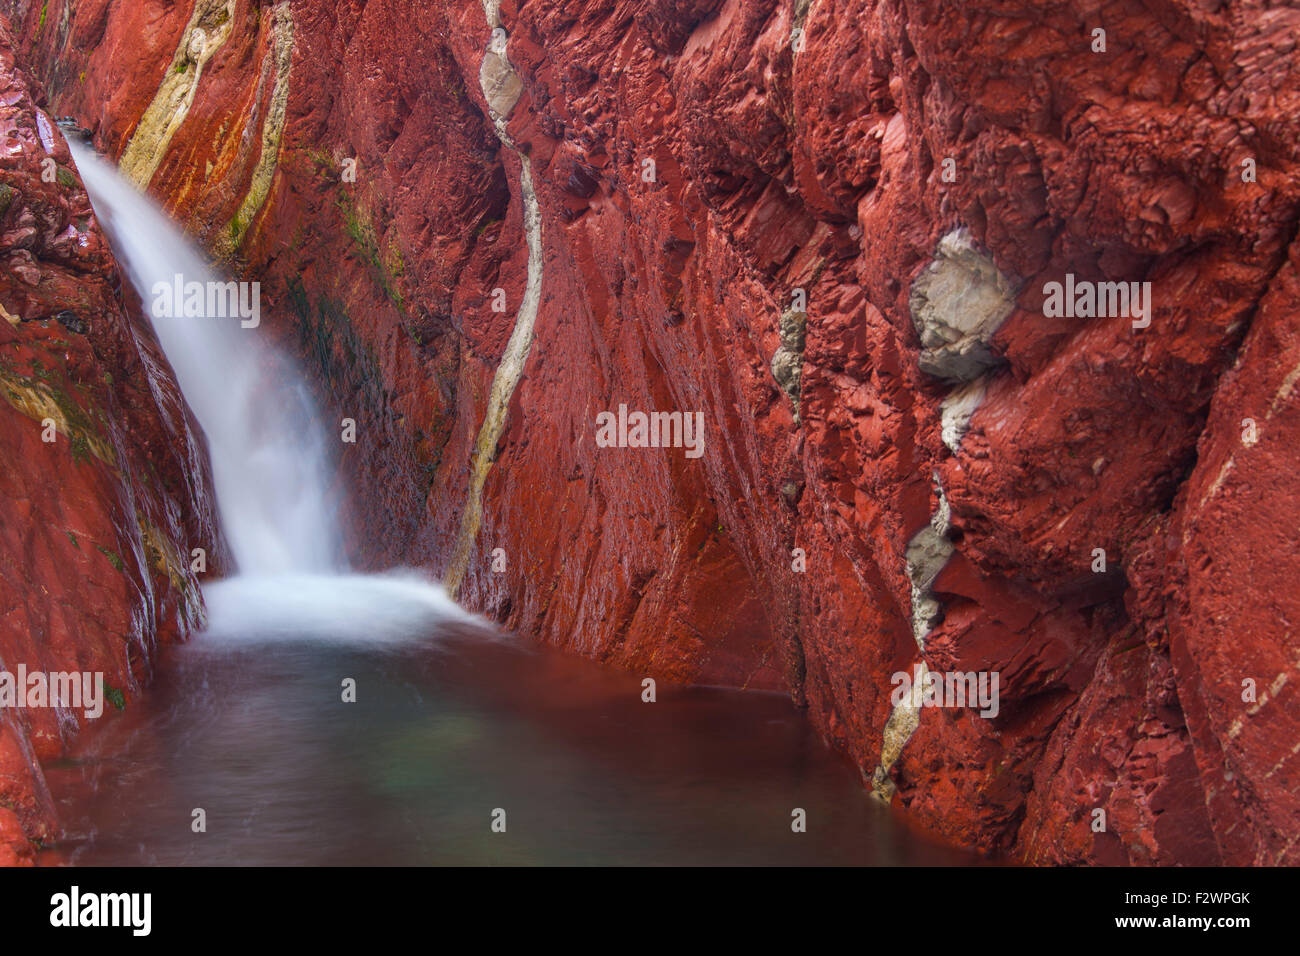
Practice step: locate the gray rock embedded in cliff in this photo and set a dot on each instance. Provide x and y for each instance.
(787, 361)
(501, 84)
(927, 553)
(957, 303)
(956, 411)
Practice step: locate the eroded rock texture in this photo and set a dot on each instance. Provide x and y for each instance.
(104, 486)
(920, 170)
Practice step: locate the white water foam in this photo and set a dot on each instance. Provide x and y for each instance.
(268, 452)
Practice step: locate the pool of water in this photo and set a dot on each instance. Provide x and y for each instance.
(442, 734)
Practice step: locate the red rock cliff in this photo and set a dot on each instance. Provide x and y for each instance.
(104, 490)
(831, 227)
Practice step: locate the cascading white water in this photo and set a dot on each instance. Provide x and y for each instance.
(267, 447)
(268, 461)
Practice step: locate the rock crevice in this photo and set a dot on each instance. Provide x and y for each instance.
(923, 171)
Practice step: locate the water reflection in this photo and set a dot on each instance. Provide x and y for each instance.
(441, 735)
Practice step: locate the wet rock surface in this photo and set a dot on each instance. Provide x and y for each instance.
(697, 161)
(104, 489)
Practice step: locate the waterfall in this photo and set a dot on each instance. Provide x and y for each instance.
(263, 432)
(270, 463)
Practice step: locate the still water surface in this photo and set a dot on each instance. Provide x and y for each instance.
(442, 734)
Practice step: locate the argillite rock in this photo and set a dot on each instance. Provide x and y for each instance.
(834, 228)
(104, 492)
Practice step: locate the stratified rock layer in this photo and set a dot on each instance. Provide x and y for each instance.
(905, 175)
(104, 488)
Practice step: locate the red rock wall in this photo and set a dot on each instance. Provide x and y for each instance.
(921, 170)
(96, 525)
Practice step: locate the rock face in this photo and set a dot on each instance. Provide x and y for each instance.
(104, 489)
(484, 225)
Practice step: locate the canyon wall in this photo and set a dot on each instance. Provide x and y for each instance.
(104, 492)
(830, 227)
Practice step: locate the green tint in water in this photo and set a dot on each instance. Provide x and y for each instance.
(441, 736)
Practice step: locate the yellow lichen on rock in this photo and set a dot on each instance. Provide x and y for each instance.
(39, 402)
(208, 28)
(272, 131)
